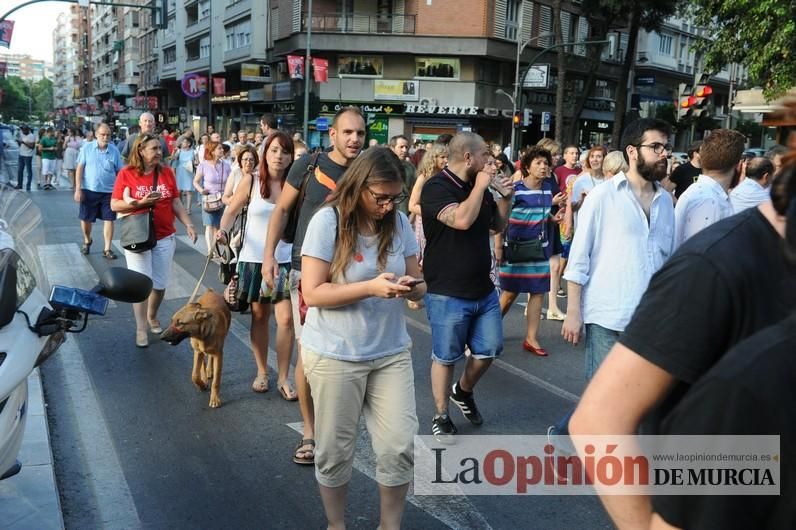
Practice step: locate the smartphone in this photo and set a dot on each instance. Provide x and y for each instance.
(412, 283)
(71, 298)
(155, 195)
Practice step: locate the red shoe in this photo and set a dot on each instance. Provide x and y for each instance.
(541, 352)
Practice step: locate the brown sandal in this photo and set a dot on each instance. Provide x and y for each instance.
(309, 454)
(260, 384)
(287, 391)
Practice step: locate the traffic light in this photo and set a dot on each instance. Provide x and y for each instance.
(526, 117)
(684, 100)
(517, 119)
(700, 105)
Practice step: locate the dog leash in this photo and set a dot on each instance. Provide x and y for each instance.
(202, 277)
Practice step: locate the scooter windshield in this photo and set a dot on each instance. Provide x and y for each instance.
(21, 230)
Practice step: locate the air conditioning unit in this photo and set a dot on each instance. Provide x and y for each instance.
(428, 102)
(281, 67)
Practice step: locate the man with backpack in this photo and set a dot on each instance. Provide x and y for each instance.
(311, 179)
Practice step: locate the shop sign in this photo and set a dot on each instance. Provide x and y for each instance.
(377, 129)
(242, 96)
(645, 79)
(322, 123)
(255, 73)
(285, 107)
(601, 125)
(194, 85)
(441, 110)
(547, 98)
(371, 109)
(282, 90)
(396, 90)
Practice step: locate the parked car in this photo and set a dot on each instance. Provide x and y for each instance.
(755, 151)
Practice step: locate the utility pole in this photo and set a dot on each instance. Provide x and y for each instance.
(307, 74)
(210, 73)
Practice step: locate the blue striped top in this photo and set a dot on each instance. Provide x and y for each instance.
(530, 211)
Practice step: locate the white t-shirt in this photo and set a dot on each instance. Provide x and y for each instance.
(584, 184)
(371, 328)
(701, 205)
(24, 150)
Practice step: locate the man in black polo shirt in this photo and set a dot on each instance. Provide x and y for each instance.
(462, 304)
(347, 135)
(686, 174)
(722, 285)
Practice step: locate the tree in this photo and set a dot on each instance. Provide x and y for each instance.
(759, 34)
(633, 15)
(562, 72)
(16, 95)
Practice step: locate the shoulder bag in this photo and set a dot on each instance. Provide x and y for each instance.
(137, 232)
(523, 251)
(227, 272)
(289, 234)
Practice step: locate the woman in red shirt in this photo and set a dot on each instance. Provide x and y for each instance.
(136, 182)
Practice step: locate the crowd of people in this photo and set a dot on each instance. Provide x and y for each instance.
(660, 270)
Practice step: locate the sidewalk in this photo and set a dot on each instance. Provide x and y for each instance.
(29, 500)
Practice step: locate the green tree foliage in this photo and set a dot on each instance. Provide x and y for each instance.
(15, 103)
(760, 34)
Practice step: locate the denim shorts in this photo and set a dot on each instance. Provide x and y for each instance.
(456, 323)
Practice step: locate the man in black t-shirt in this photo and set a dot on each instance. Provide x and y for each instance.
(347, 135)
(722, 285)
(686, 174)
(461, 302)
(749, 392)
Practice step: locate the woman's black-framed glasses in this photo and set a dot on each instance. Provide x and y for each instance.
(658, 148)
(381, 200)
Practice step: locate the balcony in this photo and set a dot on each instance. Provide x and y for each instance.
(362, 23)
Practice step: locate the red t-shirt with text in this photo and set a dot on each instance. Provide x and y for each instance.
(141, 185)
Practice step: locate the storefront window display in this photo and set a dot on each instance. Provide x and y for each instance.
(361, 65)
(436, 67)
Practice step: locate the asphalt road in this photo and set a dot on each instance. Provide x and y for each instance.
(135, 444)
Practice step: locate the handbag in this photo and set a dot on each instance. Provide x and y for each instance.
(289, 234)
(302, 305)
(516, 251)
(137, 232)
(212, 202)
(228, 260)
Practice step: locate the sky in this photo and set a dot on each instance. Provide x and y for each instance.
(33, 27)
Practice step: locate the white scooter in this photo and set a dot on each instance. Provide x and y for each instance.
(33, 326)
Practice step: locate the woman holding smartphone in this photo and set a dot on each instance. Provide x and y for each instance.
(137, 178)
(359, 261)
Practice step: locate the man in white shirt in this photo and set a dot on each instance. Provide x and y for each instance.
(754, 189)
(708, 200)
(624, 235)
(27, 145)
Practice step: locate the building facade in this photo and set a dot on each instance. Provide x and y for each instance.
(72, 81)
(26, 67)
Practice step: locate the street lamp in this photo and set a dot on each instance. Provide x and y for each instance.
(515, 98)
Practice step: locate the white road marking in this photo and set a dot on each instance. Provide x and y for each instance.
(200, 246)
(181, 282)
(108, 486)
(451, 510)
(510, 368)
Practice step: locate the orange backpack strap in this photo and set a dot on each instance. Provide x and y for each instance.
(324, 179)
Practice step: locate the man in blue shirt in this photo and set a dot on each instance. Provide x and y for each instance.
(97, 165)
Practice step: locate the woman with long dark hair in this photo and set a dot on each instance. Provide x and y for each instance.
(359, 261)
(260, 191)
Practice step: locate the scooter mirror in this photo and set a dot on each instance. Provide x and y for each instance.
(8, 300)
(124, 285)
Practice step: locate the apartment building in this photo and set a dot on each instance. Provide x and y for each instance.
(233, 34)
(26, 67)
(72, 82)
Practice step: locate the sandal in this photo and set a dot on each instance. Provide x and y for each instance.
(260, 384)
(308, 457)
(86, 248)
(288, 394)
(108, 254)
(154, 326)
(141, 339)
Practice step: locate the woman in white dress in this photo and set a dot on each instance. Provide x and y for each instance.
(73, 142)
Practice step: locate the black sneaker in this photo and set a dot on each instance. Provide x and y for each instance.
(561, 293)
(443, 428)
(466, 403)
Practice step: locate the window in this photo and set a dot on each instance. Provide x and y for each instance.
(204, 47)
(364, 65)
(665, 44)
(437, 67)
(204, 9)
(238, 34)
(170, 55)
(512, 19)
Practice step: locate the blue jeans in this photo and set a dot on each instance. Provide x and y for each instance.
(25, 162)
(599, 341)
(457, 322)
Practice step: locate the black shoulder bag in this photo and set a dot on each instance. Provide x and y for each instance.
(289, 234)
(137, 231)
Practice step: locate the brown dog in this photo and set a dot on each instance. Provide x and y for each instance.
(207, 323)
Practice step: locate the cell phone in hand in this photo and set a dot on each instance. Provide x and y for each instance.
(155, 195)
(412, 283)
